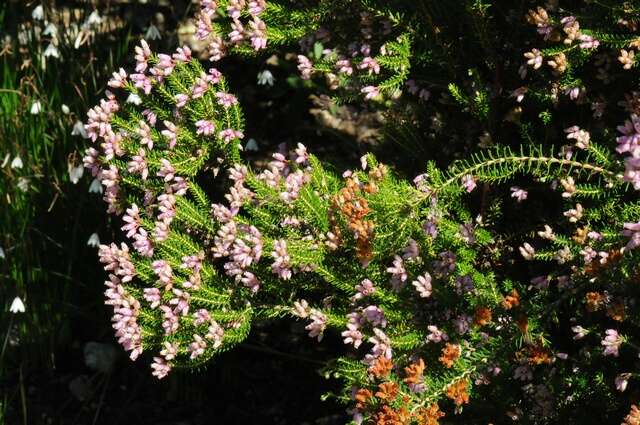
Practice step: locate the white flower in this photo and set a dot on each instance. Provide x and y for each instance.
(65, 109)
(79, 130)
(38, 13)
(80, 39)
(51, 50)
(266, 78)
(23, 184)
(93, 19)
(75, 173)
(152, 33)
(95, 186)
(134, 98)
(2, 256)
(251, 146)
(17, 306)
(527, 251)
(17, 162)
(36, 107)
(51, 30)
(94, 240)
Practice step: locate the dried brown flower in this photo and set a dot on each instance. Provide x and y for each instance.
(430, 415)
(414, 372)
(633, 418)
(458, 392)
(594, 300)
(511, 300)
(381, 367)
(482, 316)
(387, 391)
(450, 353)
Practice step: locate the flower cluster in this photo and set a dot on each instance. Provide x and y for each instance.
(242, 26)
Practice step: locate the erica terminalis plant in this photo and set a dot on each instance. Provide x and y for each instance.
(442, 307)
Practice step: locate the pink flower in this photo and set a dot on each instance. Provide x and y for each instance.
(215, 333)
(197, 347)
(581, 137)
(226, 100)
(230, 134)
(344, 66)
(119, 79)
(165, 275)
(364, 288)
(518, 193)
(632, 230)
(282, 264)
(352, 335)
(301, 154)
(205, 127)
(398, 273)
(181, 100)
(257, 7)
(171, 133)
(214, 76)
(370, 64)
(165, 64)
(258, 34)
(468, 182)
(381, 345)
(143, 53)
(237, 33)
(167, 171)
(203, 26)
(144, 131)
(132, 220)
(519, 93)
(612, 343)
(317, 325)
(436, 335)
(200, 86)
(305, 67)
(183, 54)
(141, 81)
(374, 315)
(169, 350)
(370, 92)
(622, 381)
(216, 49)
(579, 332)
(142, 244)
(411, 251)
(423, 285)
(152, 296)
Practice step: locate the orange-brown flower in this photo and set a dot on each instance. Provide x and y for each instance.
(523, 323)
(458, 392)
(430, 415)
(617, 310)
(354, 207)
(511, 300)
(537, 355)
(388, 416)
(482, 316)
(362, 396)
(633, 418)
(414, 372)
(594, 301)
(387, 391)
(580, 237)
(381, 367)
(450, 353)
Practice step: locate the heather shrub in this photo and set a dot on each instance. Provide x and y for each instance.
(497, 285)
